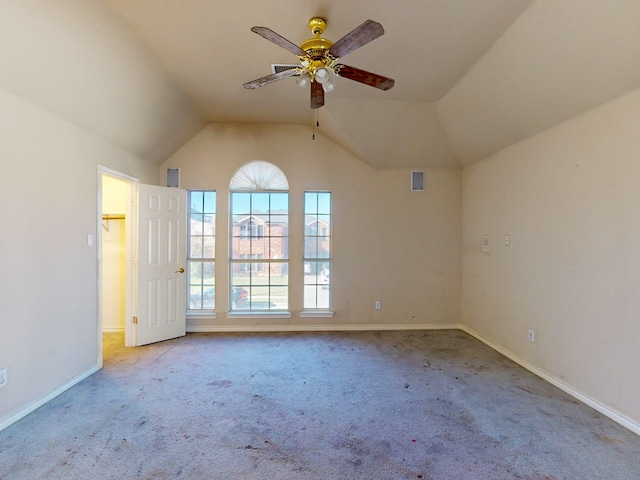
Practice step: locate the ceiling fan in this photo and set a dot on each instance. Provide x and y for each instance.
(318, 59)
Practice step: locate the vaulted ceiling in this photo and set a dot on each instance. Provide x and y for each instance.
(471, 77)
(428, 46)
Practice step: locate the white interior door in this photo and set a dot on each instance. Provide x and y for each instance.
(162, 222)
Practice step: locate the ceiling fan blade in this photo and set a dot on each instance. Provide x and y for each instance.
(278, 40)
(368, 78)
(356, 38)
(317, 95)
(261, 82)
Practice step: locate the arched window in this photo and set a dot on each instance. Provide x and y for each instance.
(259, 239)
(258, 176)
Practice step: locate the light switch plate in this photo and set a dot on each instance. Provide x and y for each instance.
(486, 244)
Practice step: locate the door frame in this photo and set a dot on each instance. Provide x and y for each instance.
(131, 248)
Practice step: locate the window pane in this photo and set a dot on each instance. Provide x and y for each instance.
(259, 246)
(197, 220)
(241, 203)
(279, 202)
(195, 272)
(239, 297)
(260, 274)
(259, 202)
(196, 201)
(310, 296)
(195, 297)
(324, 221)
(323, 272)
(208, 273)
(278, 224)
(208, 247)
(323, 298)
(324, 203)
(324, 247)
(195, 249)
(278, 249)
(209, 226)
(310, 272)
(239, 249)
(310, 247)
(310, 203)
(240, 274)
(278, 297)
(237, 221)
(209, 202)
(208, 298)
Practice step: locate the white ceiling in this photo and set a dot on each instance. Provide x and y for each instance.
(208, 48)
(428, 46)
(472, 76)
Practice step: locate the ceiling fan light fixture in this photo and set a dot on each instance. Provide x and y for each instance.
(328, 86)
(321, 75)
(304, 80)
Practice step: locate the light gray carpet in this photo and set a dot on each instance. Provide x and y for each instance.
(382, 405)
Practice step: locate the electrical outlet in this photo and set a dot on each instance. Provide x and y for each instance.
(532, 335)
(507, 240)
(378, 305)
(3, 377)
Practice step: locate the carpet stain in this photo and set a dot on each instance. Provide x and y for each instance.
(220, 383)
(610, 440)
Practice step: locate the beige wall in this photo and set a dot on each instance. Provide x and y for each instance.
(389, 244)
(78, 60)
(48, 320)
(77, 89)
(570, 200)
(557, 60)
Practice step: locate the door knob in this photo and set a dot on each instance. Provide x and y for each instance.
(180, 271)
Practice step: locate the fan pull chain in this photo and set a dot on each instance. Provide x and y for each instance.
(313, 125)
(315, 122)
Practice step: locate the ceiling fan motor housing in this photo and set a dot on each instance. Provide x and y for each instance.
(317, 47)
(317, 26)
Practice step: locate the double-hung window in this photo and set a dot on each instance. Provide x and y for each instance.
(201, 250)
(317, 251)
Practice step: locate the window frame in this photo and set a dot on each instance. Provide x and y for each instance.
(191, 260)
(322, 283)
(254, 263)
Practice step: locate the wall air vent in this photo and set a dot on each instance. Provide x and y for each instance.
(417, 181)
(173, 177)
(281, 67)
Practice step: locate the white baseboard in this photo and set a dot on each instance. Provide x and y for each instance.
(613, 414)
(316, 328)
(40, 402)
(112, 329)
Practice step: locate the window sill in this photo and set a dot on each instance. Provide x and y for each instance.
(201, 315)
(316, 313)
(265, 314)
